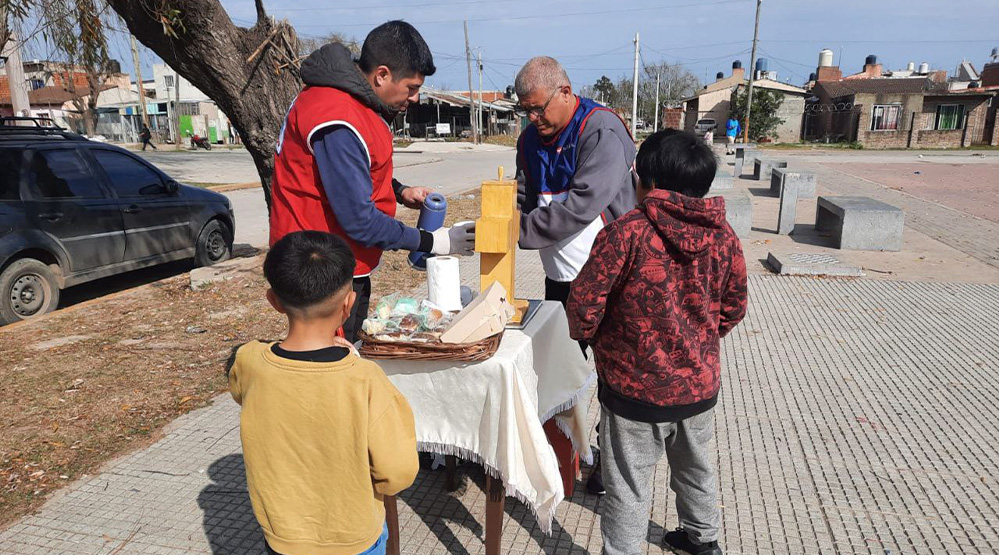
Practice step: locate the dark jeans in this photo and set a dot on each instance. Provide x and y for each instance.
(148, 142)
(559, 291)
(362, 287)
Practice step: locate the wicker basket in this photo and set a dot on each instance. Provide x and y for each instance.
(409, 350)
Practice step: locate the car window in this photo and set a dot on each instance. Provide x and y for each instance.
(10, 171)
(62, 174)
(129, 177)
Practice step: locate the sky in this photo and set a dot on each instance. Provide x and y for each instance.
(595, 37)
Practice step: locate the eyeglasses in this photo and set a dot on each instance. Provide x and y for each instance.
(536, 111)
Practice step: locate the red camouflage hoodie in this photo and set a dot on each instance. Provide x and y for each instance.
(663, 284)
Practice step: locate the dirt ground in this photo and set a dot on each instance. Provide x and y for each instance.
(81, 386)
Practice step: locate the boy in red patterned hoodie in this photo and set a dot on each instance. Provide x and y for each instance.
(663, 284)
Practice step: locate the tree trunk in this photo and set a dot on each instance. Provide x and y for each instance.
(199, 40)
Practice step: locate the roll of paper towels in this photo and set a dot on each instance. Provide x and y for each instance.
(444, 282)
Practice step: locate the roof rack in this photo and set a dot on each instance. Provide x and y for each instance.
(11, 121)
(34, 127)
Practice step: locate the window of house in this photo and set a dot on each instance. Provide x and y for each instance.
(885, 117)
(129, 177)
(62, 174)
(949, 116)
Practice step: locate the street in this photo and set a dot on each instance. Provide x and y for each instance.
(447, 172)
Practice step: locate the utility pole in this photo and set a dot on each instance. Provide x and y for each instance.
(138, 81)
(752, 74)
(479, 118)
(634, 94)
(655, 127)
(176, 107)
(15, 76)
(471, 99)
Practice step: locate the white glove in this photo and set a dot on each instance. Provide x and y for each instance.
(459, 240)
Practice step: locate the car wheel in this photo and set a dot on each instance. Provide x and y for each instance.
(28, 288)
(214, 244)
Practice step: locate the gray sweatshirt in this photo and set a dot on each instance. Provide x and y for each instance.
(574, 184)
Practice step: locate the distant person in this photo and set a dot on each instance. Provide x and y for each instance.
(732, 130)
(574, 173)
(333, 162)
(664, 283)
(709, 137)
(325, 434)
(146, 137)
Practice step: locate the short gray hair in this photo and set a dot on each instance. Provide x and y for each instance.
(540, 73)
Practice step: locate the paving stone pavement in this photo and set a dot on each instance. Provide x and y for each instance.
(855, 417)
(954, 228)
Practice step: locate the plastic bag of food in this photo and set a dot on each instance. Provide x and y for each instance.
(405, 306)
(383, 310)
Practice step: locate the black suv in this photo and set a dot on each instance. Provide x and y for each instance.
(73, 210)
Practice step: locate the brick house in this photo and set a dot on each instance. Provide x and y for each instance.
(908, 112)
(715, 101)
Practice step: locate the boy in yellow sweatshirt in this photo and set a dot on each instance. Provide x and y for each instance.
(325, 434)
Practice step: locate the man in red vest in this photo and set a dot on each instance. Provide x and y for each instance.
(333, 164)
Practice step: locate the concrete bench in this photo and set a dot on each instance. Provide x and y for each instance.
(744, 153)
(804, 182)
(722, 183)
(860, 223)
(762, 167)
(738, 210)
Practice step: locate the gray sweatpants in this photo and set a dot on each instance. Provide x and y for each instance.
(629, 452)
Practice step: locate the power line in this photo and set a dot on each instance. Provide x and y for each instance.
(563, 15)
(914, 41)
(386, 6)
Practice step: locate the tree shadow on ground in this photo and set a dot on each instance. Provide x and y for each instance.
(228, 518)
(429, 499)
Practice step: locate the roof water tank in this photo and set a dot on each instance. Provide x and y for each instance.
(826, 58)
(871, 60)
(812, 76)
(737, 64)
(911, 66)
(924, 68)
(761, 64)
(719, 75)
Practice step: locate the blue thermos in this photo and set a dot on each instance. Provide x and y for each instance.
(431, 219)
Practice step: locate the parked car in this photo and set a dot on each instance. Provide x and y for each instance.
(74, 210)
(704, 125)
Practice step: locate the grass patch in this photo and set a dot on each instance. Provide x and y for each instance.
(81, 387)
(502, 140)
(811, 146)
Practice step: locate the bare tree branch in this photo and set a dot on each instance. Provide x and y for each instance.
(198, 39)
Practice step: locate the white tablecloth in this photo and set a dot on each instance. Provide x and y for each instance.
(491, 412)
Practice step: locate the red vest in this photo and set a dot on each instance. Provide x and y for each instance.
(298, 200)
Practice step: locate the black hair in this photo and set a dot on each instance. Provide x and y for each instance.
(306, 268)
(676, 161)
(398, 46)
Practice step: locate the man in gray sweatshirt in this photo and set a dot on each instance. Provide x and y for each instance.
(575, 174)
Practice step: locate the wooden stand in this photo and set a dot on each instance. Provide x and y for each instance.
(495, 502)
(496, 235)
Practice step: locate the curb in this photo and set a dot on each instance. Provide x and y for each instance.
(227, 187)
(237, 263)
